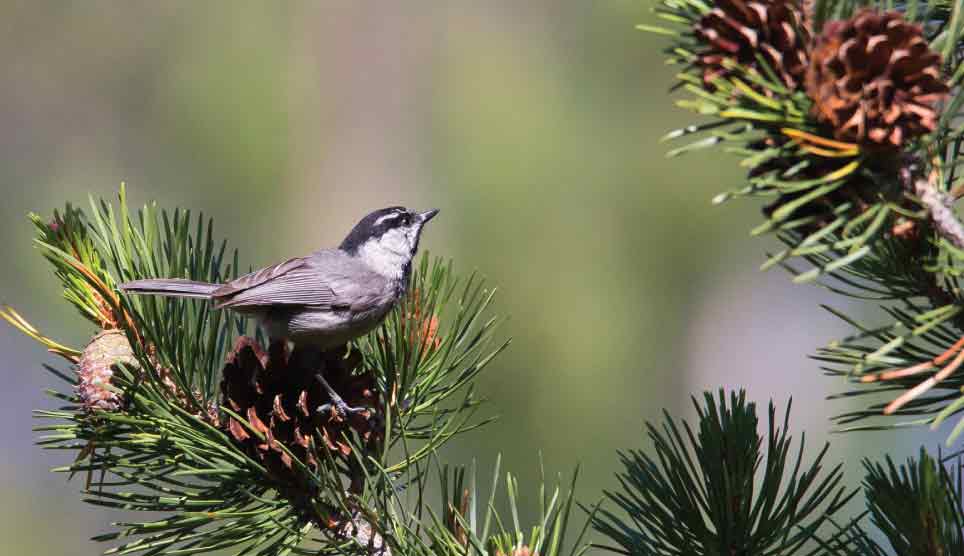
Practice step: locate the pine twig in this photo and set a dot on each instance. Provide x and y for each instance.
(938, 203)
(365, 535)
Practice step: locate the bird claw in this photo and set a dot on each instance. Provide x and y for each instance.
(341, 411)
(337, 407)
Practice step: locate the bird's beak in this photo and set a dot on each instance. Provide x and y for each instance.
(428, 215)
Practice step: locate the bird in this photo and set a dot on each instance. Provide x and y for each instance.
(325, 299)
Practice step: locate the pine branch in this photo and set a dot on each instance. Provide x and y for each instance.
(470, 526)
(939, 204)
(916, 507)
(862, 185)
(164, 416)
(714, 491)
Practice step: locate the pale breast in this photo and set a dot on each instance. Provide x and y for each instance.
(326, 329)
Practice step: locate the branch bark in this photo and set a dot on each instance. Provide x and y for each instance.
(938, 203)
(365, 535)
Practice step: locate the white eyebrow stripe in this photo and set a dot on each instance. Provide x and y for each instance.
(387, 216)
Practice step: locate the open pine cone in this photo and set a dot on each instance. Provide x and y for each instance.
(874, 79)
(740, 29)
(278, 394)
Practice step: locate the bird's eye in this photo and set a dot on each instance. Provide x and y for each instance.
(406, 219)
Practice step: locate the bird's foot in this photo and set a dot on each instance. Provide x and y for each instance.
(342, 411)
(337, 406)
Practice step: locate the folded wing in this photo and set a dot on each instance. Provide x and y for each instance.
(323, 280)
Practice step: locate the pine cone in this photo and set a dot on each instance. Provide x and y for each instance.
(875, 80)
(278, 394)
(420, 328)
(740, 29)
(95, 370)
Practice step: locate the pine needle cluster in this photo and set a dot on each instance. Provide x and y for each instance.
(151, 407)
(847, 117)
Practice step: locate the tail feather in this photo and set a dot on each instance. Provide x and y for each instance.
(172, 287)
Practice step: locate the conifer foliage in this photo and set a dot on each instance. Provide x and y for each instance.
(860, 160)
(712, 489)
(848, 117)
(176, 408)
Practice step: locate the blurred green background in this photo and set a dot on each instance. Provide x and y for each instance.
(533, 125)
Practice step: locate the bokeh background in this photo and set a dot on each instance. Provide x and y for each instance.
(533, 125)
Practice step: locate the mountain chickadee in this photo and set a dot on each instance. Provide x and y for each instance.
(327, 298)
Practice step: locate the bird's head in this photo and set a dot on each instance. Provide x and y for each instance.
(387, 239)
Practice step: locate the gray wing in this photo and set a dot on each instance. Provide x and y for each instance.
(324, 280)
(356, 287)
(258, 277)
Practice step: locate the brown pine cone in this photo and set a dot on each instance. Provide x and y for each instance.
(740, 29)
(874, 80)
(420, 328)
(95, 370)
(278, 394)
